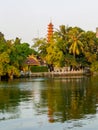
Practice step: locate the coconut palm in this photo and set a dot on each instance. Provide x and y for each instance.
(75, 44)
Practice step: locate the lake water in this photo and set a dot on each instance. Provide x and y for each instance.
(67, 103)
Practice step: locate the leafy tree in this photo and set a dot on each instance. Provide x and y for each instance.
(54, 55)
(2, 43)
(17, 41)
(12, 71)
(22, 51)
(61, 39)
(70, 60)
(18, 54)
(12, 56)
(4, 60)
(40, 46)
(90, 46)
(94, 66)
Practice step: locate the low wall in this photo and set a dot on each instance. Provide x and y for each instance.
(49, 74)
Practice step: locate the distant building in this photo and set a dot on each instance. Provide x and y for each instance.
(97, 32)
(50, 31)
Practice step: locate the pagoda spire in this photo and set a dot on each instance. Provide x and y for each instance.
(50, 31)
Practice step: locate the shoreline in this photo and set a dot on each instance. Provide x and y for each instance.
(57, 74)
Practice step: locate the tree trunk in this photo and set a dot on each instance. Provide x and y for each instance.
(11, 77)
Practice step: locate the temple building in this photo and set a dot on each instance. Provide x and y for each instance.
(50, 31)
(32, 61)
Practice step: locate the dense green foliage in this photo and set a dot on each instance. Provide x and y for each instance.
(69, 46)
(12, 56)
(39, 69)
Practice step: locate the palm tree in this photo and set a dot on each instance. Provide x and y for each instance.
(75, 44)
(61, 38)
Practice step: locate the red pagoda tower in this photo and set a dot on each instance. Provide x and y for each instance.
(50, 31)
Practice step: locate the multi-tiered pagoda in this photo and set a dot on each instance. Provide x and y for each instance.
(50, 31)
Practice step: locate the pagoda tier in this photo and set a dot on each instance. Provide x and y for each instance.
(50, 31)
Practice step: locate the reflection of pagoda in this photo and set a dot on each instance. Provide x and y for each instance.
(50, 31)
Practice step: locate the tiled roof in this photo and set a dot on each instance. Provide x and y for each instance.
(32, 61)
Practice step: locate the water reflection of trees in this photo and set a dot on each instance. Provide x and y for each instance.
(10, 98)
(61, 99)
(69, 99)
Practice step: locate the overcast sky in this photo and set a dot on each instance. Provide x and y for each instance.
(28, 19)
